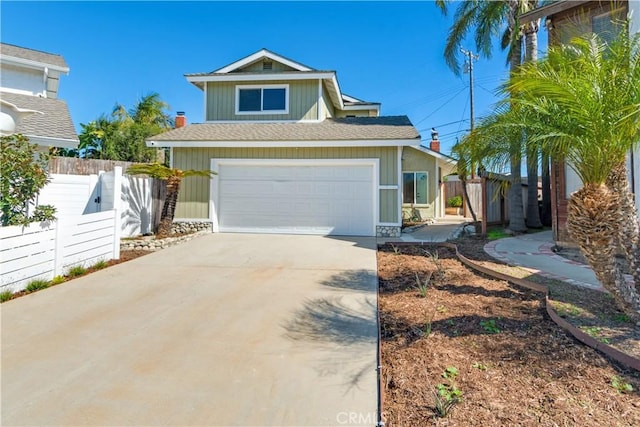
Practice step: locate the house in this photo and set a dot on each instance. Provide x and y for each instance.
(29, 81)
(565, 20)
(294, 154)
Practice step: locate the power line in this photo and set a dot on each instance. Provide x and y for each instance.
(440, 107)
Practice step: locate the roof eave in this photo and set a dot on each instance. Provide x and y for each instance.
(47, 141)
(550, 9)
(247, 77)
(436, 154)
(7, 59)
(271, 144)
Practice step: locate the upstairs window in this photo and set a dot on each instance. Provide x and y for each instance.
(266, 99)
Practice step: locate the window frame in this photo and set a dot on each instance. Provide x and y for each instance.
(262, 111)
(414, 203)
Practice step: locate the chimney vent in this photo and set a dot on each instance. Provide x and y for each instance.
(181, 120)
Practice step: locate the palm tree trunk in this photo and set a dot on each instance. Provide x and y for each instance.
(628, 233)
(545, 216)
(516, 215)
(169, 206)
(592, 222)
(466, 198)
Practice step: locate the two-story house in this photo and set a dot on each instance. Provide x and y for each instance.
(29, 80)
(293, 154)
(564, 20)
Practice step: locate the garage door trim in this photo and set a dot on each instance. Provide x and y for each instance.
(217, 162)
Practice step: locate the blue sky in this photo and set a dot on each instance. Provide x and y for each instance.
(389, 52)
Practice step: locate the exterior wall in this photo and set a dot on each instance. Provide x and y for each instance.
(193, 202)
(417, 161)
(303, 101)
(578, 21)
(328, 110)
(259, 66)
(22, 80)
(357, 113)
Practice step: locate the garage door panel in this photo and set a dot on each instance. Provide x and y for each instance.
(308, 199)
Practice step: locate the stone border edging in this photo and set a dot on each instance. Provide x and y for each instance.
(615, 354)
(153, 244)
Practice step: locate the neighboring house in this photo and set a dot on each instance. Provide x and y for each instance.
(565, 20)
(29, 80)
(293, 154)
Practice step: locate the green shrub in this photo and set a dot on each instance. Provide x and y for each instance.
(5, 296)
(36, 285)
(455, 202)
(76, 271)
(100, 265)
(57, 280)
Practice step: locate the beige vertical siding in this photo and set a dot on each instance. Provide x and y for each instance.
(259, 66)
(303, 101)
(193, 201)
(417, 161)
(356, 113)
(329, 109)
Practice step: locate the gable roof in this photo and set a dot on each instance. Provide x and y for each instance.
(37, 58)
(259, 55)
(390, 130)
(299, 72)
(52, 128)
(436, 154)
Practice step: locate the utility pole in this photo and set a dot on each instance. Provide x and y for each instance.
(468, 68)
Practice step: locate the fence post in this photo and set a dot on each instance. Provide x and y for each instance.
(58, 249)
(117, 207)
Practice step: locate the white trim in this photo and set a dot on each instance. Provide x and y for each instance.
(389, 224)
(319, 113)
(262, 111)
(300, 144)
(400, 186)
(53, 142)
(7, 59)
(388, 187)
(362, 107)
(262, 53)
(216, 162)
(259, 76)
(435, 154)
(171, 157)
(351, 98)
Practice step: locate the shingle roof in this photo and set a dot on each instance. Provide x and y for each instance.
(54, 123)
(344, 129)
(33, 55)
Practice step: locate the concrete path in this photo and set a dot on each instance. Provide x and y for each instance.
(240, 330)
(533, 252)
(442, 230)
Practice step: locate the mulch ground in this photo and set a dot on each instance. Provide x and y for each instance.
(514, 365)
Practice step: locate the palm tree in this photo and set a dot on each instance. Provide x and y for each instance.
(587, 98)
(489, 19)
(173, 177)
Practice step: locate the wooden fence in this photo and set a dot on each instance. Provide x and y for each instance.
(76, 166)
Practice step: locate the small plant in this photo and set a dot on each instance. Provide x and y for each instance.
(58, 279)
(423, 286)
(621, 318)
(36, 285)
(566, 309)
(396, 250)
(481, 366)
(100, 265)
(5, 295)
(76, 271)
(44, 213)
(496, 234)
(441, 309)
(433, 257)
(621, 385)
(447, 395)
(427, 328)
(490, 326)
(595, 332)
(455, 202)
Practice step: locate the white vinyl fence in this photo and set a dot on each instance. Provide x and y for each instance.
(45, 250)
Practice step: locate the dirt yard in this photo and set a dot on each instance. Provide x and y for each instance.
(489, 348)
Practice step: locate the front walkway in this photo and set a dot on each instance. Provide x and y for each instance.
(245, 330)
(534, 253)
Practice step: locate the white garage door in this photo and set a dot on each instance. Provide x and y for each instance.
(296, 198)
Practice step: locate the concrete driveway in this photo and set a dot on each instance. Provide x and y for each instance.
(227, 329)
